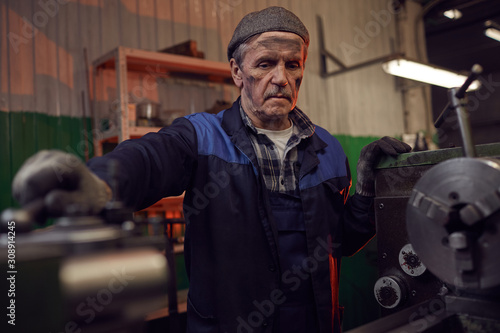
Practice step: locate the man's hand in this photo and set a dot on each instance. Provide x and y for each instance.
(60, 180)
(369, 156)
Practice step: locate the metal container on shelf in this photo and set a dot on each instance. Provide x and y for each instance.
(147, 113)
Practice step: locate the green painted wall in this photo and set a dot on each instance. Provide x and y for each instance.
(23, 133)
(359, 272)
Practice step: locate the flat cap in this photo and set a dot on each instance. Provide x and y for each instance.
(269, 19)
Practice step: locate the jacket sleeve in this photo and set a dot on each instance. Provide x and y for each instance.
(152, 167)
(358, 222)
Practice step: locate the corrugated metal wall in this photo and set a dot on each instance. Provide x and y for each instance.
(44, 69)
(44, 82)
(43, 41)
(46, 47)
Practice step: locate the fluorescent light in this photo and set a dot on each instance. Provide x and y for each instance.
(492, 30)
(453, 14)
(492, 33)
(426, 73)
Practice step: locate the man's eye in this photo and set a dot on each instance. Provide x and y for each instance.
(293, 65)
(264, 65)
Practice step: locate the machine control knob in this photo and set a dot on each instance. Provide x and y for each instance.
(389, 291)
(410, 262)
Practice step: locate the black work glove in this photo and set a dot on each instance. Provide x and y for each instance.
(369, 157)
(60, 180)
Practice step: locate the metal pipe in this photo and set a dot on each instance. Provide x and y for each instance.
(463, 122)
(459, 93)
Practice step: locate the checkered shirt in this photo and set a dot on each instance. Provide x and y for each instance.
(280, 176)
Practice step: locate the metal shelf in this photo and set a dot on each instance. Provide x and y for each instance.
(139, 60)
(123, 60)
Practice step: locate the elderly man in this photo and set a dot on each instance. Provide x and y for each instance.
(266, 191)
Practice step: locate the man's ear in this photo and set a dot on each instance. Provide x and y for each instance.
(236, 73)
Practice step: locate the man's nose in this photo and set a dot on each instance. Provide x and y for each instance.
(279, 76)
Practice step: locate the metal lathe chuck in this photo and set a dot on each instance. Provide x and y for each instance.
(453, 222)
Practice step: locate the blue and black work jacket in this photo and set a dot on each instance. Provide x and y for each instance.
(231, 250)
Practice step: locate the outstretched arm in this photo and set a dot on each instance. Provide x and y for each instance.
(147, 169)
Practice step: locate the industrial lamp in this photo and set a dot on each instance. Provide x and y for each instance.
(431, 74)
(492, 30)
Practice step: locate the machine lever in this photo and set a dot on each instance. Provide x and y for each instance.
(460, 93)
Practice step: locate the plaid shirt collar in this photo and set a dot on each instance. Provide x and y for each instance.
(280, 175)
(303, 128)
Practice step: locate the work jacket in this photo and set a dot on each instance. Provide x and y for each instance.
(231, 251)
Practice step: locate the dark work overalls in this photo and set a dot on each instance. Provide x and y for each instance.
(297, 314)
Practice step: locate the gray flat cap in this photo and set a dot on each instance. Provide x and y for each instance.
(269, 19)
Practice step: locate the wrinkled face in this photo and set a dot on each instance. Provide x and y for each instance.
(269, 77)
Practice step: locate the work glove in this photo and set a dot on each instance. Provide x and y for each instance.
(369, 157)
(61, 180)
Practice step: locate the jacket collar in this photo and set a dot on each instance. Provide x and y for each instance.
(235, 128)
(308, 156)
(231, 119)
(233, 125)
